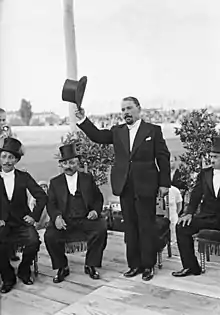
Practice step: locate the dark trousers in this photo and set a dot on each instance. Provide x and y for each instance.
(23, 235)
(185, 240)
(139, 215)
(96, 232)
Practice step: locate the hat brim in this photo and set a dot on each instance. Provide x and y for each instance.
(17, 155)
(81, 87)
(68, 158)
(73, 91)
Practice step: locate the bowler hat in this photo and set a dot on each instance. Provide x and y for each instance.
(73, 91)
(216, 145)
(13, 146)
(68, 151)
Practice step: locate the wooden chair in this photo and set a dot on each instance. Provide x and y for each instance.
(19, 248)
(208, 244)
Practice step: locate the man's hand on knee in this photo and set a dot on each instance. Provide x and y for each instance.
(2, 223)
(92, 215)
(60, 223)
(29, 220)
(185, 219)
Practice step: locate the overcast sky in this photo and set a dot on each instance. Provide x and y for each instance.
(161, 51)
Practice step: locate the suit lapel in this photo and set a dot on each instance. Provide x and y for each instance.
(141, 134)
(63, 188)
(124, 136)
(16, 184)
(209, 180)
(3, 190)
(82, 183)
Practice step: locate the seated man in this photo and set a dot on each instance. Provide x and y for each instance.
(16, 220)
(206, 192)
(5, 131)
(74, 203)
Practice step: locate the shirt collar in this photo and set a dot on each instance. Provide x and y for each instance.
(9, 174)
(71, 176)
(216, 171)
(136, 124)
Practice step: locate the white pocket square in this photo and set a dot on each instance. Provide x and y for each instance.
(148, 139)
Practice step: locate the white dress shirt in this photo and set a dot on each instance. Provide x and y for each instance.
(9, 182)
(133, 131)
(216, 181)
(72, 182)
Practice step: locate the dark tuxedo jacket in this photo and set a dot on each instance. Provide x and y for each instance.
(18, 207)
(58, 195)
(203, 192)
(148, 163)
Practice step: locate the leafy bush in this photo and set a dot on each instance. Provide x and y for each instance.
(196, 134)
(98, 157)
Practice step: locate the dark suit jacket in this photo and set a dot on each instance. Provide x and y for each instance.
(149, 161)
(58, 195)
(19, 202)
(203, 192)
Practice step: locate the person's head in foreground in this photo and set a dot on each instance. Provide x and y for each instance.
(69, 160)
(131, 109)
(10, 154)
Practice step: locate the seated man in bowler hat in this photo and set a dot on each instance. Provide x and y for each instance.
(16, 219)
(205, 192)
(74, 203)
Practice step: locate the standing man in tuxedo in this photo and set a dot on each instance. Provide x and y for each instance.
(74, 203)
(141, 169)
(16, 219)
(206, 194)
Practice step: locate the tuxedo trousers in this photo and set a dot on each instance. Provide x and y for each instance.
(185, 238)
(139, 214)
(20, 235)
(96, 234)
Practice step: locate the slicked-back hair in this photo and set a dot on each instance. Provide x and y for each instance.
(132, 99)
(2, 111)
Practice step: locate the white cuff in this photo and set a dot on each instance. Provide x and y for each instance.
(79, 122)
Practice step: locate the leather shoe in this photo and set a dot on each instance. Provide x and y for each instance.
(148, 274)
(187, 272)
(26, 279)
(92, 272)
(7, 286)
(62, 273)
(132, 272)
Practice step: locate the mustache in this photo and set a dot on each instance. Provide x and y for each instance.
(7, 164)
(68, 169)
(127, 116)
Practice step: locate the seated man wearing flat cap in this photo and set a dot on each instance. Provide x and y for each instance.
(16, 219)
(205, 192)
(74, 203)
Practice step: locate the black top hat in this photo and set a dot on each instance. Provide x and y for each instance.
(68, 151)
(216, 145)
(73, 91)
(13, 146)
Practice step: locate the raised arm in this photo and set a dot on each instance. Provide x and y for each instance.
(103, 136)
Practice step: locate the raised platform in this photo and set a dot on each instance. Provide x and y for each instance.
(114, 294)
